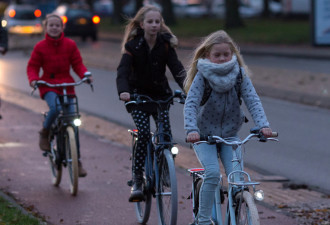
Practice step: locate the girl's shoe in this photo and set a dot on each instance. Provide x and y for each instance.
(44, 140)
(81, 171)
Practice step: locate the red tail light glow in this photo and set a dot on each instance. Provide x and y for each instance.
(37, 13)
(96, 19)
(12, 13)
(64, 19)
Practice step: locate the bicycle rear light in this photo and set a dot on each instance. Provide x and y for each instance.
(77, 122)
(175, 150)
(259, 195)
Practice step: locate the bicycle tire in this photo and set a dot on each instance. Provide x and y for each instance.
(72, 159)
(55, 166)
(143, 208)
(167, 194)
(246, 211)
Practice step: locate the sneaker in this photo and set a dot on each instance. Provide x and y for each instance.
(81, 171)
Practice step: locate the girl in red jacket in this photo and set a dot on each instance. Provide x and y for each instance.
(54, 55)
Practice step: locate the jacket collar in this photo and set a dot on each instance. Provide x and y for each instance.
(54, 41)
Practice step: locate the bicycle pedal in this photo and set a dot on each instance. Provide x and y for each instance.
(130, 183)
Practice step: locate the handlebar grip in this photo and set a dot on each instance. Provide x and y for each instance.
(274, 134)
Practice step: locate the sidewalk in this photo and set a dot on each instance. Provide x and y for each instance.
(300, 86)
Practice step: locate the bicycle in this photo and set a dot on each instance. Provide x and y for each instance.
(241, 208)
(159, 178)
(64, 134)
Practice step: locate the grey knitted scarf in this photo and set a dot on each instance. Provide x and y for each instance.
(222, 77)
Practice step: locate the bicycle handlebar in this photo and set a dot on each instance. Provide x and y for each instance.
(84, 79)
(229, 141)
(141, 99)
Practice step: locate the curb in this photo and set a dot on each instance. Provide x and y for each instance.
(303, 51)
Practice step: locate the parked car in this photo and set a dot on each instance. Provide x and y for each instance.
(79, 20)
(103, 7)
(23, 19)
(190, 10)
(247, 8)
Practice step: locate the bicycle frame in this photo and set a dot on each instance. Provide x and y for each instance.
(159, 161)
(244, 183)
(64, 134)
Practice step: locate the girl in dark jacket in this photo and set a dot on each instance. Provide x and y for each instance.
(3, 39)
(147, 47)
(54, 55)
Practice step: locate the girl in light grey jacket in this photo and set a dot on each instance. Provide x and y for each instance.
(218, 65)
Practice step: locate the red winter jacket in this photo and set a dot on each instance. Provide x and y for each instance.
(54, 57)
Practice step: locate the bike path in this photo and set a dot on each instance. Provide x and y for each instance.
(102, 195)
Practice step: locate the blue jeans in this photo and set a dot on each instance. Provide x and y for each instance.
(53, 101)
(208, 157)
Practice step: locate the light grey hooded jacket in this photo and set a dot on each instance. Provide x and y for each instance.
(221, 115)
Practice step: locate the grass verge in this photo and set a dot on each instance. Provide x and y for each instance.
(12, 215)
(261, 31)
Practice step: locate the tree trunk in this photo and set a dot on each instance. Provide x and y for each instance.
(138, 5)
(233, 18)
(168, 13)
(117, 13)
(265, 11)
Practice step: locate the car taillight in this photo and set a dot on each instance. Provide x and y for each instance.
(37, 13)
(64, 19)
(96, 19)
(12, 13)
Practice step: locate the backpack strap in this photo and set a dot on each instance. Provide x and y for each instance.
(238, 86)
(207, 92)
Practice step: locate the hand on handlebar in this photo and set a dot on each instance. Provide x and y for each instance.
(33, 84)
(267, 132)
(193, 137)
(125, 96)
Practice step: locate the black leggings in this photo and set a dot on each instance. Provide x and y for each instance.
(142, 123)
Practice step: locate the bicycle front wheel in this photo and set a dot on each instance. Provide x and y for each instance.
(142, 208)
(72, 159)
(55, 165)
(167, 195)
(246, 211)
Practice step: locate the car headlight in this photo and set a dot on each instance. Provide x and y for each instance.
(77, 122)
(174, 150)
(259, 195)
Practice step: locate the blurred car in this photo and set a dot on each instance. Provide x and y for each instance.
(79, 20)
(103, 7)
(23, 19)
(247, 8)
(190, 10)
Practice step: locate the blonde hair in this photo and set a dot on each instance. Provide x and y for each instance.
(52, 15)
(134, 23)
(204, 49)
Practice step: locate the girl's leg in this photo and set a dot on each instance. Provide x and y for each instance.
(165, 117)
(50, 98)
(208, 157)
(229, 156)
(142, 122)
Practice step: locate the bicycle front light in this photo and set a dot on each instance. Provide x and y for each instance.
(77, 122)
(174, 150)
(259, 195)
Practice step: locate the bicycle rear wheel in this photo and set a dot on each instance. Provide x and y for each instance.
(55, 165)
(167, 195)
(246, 211)
(72, 159)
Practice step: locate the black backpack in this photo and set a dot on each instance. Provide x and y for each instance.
(208, 89)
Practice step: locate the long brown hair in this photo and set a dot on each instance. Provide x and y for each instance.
(204, 48)
(134, 23)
